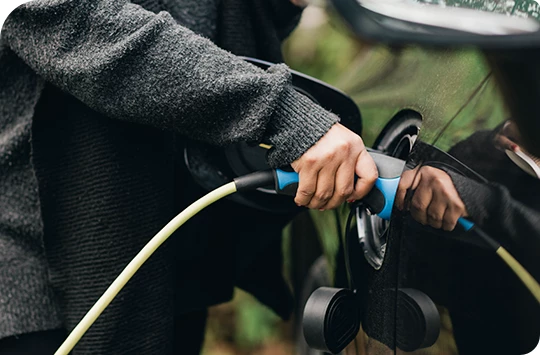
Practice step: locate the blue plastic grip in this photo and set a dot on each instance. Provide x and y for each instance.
(286, 178)
(465, 223)
(388, 188)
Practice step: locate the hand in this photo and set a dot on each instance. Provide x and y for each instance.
(328, 168)
(435, 202)
(508, 138)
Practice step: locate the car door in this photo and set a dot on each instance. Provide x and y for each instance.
(441, 292)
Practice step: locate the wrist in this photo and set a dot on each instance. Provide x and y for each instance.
(297, 124)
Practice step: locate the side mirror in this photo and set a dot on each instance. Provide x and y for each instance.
(481, 23)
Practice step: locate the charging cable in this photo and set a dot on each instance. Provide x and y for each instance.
(380, 200)
(512, 263)
(247, 182)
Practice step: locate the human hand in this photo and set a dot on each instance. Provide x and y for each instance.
(327, 170)
(508, 138)
(435, 202)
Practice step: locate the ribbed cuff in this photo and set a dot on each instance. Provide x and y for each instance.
(296, 125)
(476, 196)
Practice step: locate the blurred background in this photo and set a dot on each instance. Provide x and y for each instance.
(383, 82)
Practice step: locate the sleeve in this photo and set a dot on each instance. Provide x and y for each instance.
(498, 213)
(134, 65)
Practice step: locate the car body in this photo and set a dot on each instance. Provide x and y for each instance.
(482, 307)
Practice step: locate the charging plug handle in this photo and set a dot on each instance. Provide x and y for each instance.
(381, 198)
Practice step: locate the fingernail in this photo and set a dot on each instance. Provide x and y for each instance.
(351, 201)
(321, 209)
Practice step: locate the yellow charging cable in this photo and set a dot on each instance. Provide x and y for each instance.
(253, 180)
(122, 279)
(521, 272)
(518, 269)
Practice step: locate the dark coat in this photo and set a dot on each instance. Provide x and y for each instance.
(96, 99)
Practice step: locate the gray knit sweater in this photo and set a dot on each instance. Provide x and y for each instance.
(135, 66)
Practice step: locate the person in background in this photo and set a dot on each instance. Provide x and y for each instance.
(96, 100)
(491, 311)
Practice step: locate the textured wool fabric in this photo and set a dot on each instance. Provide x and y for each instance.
(507, 207)
(25, 296)
(491, 311)
(133, 65)
(133, 81)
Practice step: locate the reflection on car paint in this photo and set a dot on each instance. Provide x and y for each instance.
(485, 308)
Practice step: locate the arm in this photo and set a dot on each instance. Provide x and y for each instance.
(131, 64)
(440, 198)
(498, 213)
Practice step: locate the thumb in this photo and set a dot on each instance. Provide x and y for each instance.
(367, 173)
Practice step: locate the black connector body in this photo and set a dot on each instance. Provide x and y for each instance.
(255, 180)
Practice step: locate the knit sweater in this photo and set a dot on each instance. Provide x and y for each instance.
(492, 312)
(85, 187)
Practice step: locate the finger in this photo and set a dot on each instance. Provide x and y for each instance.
(344, 186)
(307, 185)
(455, 210)
(450, 219)
(367, 173)
(436, 210)
(511, 130)
(325, 187)
(420, 203)
(405, 182)
(504, 143)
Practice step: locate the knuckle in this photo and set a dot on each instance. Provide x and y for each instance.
(418, 205)
(323, 196)
(439, 182)
(434, 217)
(456, 206)
(329, 155)
(446, 192)
(429, 169)
(344, 145)
(310, 159)
(306, 192)
(345, 191)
